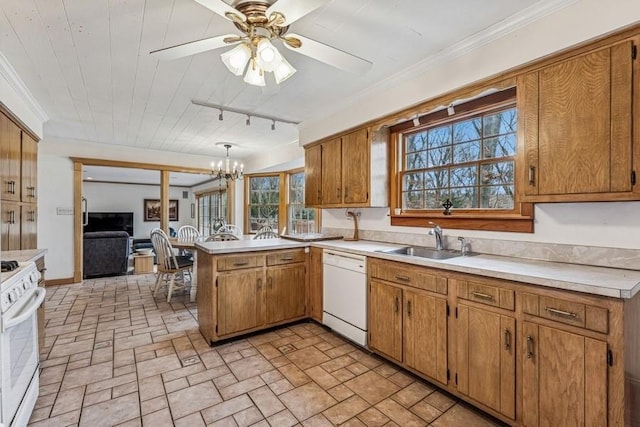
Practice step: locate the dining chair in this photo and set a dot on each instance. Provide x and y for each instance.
(266, 234)
(169, 265)
(188, 232)
(230, 228)
(221, 237)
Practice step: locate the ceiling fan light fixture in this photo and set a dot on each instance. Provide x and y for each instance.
(255, 74)
(267, 56)
(283, 71)
(236, 59)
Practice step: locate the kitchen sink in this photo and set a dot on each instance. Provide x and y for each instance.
(418, 251)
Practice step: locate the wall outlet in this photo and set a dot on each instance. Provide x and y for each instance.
(64, 211)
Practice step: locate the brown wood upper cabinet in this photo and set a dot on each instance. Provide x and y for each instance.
(10, 137)
(338, 171)
(576, 128)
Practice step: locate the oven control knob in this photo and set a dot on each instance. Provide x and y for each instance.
(10, 297)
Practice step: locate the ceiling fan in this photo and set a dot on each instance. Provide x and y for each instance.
(261, 22)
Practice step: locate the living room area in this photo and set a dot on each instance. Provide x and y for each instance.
(121, 206)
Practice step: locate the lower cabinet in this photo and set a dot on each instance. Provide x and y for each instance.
(315, 284)
(564, 377)
(408, 325)
(529, 355)
(250, 291)
(486, 358)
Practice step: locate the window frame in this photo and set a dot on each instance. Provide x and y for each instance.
(210, 194)
(317, 214)
(518, 219)
(283, 199)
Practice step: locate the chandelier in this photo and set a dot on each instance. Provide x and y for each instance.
(227, 173)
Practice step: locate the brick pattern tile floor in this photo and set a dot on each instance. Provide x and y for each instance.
(116, 356)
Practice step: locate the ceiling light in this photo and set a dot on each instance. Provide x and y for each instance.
(236, 59)
(220, 116)
(283, 71)
(267, 56)
(255, 74)
(227, 173)
(248, 122)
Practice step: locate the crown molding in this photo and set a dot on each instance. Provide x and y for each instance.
(16, 83)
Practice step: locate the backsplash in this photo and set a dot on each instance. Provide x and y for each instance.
(573, 254)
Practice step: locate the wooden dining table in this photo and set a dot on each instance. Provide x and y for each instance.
(189, 245)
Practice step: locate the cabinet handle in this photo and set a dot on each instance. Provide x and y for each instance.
(396, 305)
(319, 196)
(532, 175)
(403, 278)
(270, 282)
(409, 308)
(507, 339)
(32, 216)
(529, 347)
(32, 192)
(260, 283)
(338, 192)
(346, 192)
(12, 217)
(560, 313)
(482, 296)
(240, 264)
(289, 258)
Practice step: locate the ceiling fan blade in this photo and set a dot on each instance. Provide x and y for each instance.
(192, 48)
(221, 8)
(330, 55)
(292, 10)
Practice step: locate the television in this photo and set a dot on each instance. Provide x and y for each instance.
(110, 221)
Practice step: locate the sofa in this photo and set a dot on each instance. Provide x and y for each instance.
(105, 253)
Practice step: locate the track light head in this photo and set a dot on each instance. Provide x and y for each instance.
(220, 116)
(273, 125)
(248, 122)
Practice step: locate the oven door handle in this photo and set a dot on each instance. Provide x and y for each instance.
(27, 311)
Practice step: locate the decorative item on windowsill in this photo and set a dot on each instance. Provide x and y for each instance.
(227, 173)
(447, 207)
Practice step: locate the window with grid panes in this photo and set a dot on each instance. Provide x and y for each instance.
(264, 202)
(212, 211)
(468, 161)
(299, 219)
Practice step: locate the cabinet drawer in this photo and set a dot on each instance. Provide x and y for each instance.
(486, 294)
(237, 262)
(568, 312)
(409, 275)
(285, 257)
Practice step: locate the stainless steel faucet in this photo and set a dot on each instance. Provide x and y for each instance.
(436, 231)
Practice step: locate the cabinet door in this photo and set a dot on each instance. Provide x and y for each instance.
(577, 124)
(239, 301)
(385, 319)
(486, 358)
(564, 378)
(29, 227)
(355, 167)
(9, 159)
(10, 226)
(29, 164)
(332, 172)
(315, 284)
(285, 297)
(425, 339)
(313, 175)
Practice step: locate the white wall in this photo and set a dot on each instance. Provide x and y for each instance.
(614, 225)
(111, 197)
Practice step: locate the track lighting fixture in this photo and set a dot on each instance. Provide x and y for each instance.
(416, 120)
(450, 110)
(249, 114)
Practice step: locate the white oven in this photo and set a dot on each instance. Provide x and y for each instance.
(20, 298)
(345, 294)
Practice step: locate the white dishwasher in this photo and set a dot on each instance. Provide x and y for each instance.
(345, 294)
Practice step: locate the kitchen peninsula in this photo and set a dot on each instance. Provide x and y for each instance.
(504, 334)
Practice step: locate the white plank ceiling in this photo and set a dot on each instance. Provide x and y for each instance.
(87, 63)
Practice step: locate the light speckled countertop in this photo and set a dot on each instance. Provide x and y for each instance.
(609, 282)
